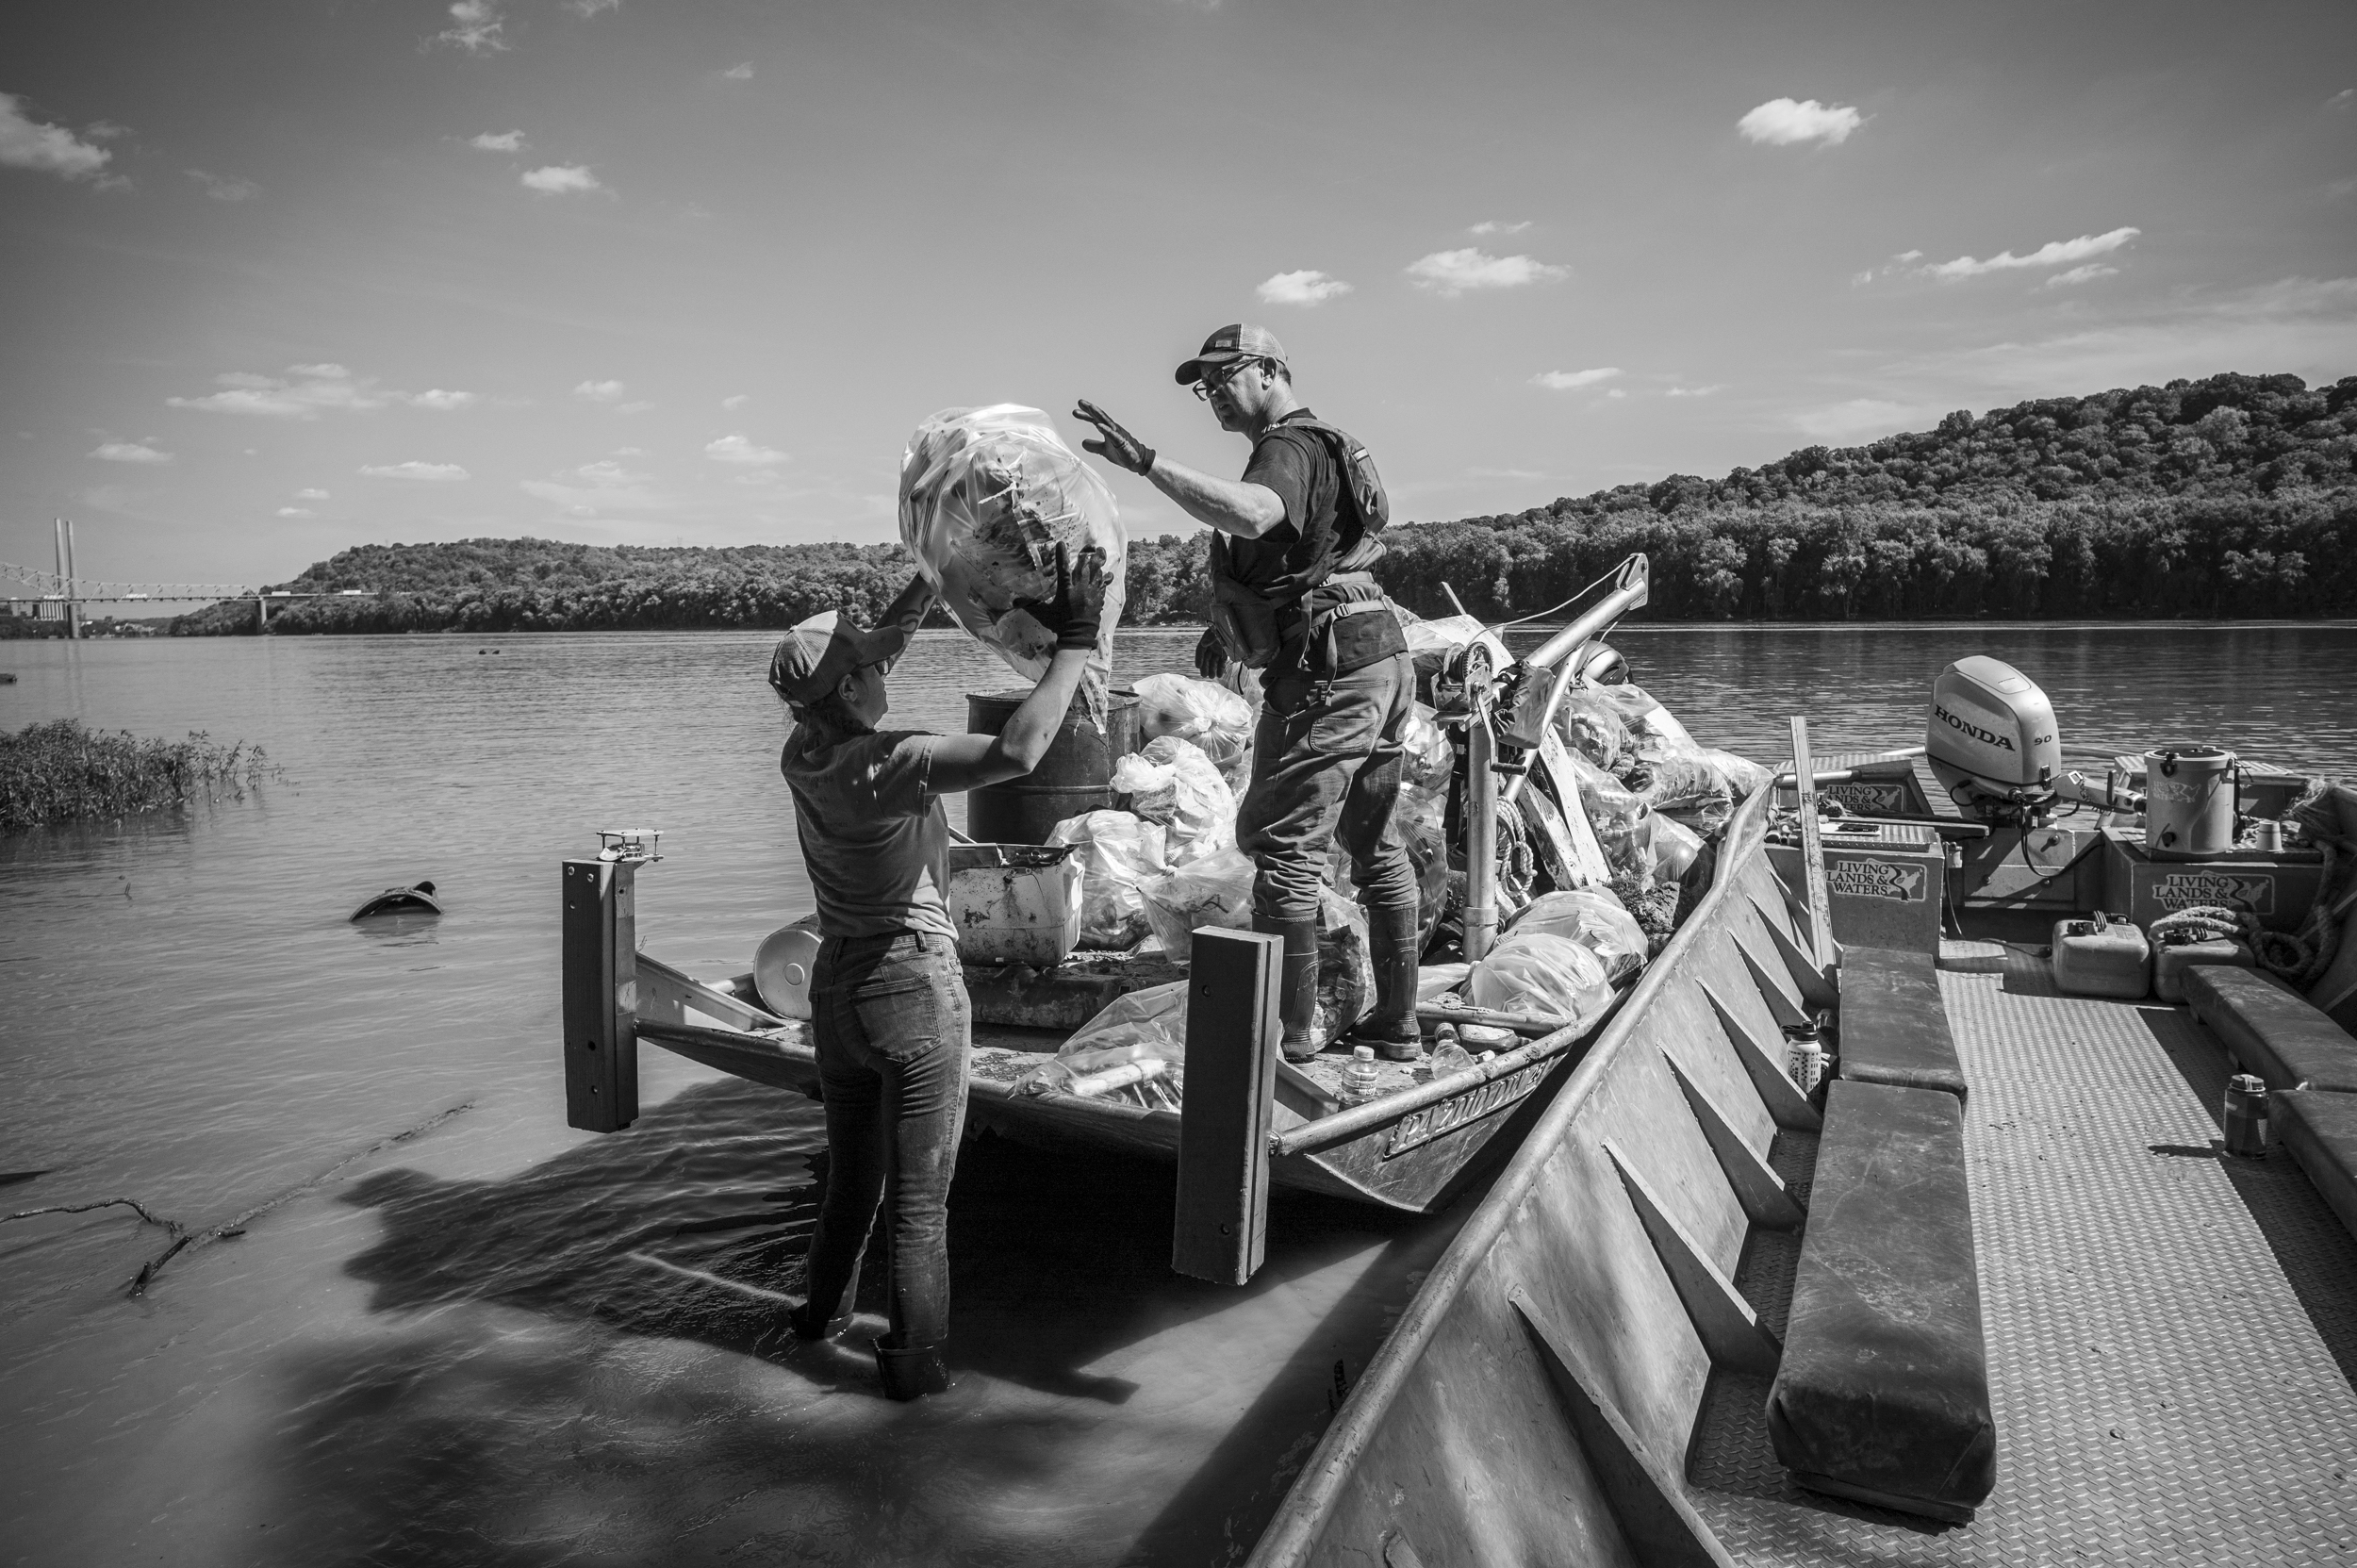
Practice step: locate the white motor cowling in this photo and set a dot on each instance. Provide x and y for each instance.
(1993, 737)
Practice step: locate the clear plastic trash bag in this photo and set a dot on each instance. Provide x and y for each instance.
(1613, 810)
(1673, 844)
(1552, 977)
(1213, 891)
(1204, 712)
(1428, 756)
(1117, 851)
(1144, 1025)
(1345, 966)
(1593, 727)
(1593, 918)
(987, 496)
(1172, 783)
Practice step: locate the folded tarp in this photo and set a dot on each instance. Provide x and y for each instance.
(1894, 1026)
(2319, 1129)
(2272, 1031)
(1883, 1391)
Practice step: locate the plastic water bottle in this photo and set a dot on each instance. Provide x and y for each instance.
(1447, 1055)
(1358, 1079)
(1803, 1057)
(2247, 1116)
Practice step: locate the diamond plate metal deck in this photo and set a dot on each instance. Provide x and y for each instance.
(2172, 1336)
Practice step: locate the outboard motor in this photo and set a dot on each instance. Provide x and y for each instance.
(1991, 740)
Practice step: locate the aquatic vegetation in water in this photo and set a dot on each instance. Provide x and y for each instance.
(58, 771)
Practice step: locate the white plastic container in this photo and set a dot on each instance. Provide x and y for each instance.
(1014, 903)
(783, 965)
(2102, 956)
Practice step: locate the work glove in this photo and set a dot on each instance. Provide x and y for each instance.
(1211, 656)
(1076, 613)
(1118, 447)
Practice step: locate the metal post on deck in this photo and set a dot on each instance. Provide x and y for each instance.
(600, 993)
(1481, 831)
(1220, 1228)
(1812, 850)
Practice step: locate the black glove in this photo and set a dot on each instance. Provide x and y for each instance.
(1118, 447)
(1076, 613)
(1211, 656)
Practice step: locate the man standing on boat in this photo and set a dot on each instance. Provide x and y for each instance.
(1293, 598)
(889, 1012)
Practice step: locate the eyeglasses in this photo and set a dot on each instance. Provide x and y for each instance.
(1217, 378)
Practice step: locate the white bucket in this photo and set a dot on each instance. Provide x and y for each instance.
(783, 965)
(2189, 803)
(1014, 903)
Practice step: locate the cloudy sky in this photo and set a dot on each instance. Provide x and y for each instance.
(283, 276)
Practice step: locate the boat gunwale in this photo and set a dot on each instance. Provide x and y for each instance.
(1309, 1504)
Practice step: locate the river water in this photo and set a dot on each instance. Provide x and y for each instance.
(454, 1330)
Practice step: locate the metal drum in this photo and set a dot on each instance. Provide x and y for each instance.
(2189, 800)
(1074, 776)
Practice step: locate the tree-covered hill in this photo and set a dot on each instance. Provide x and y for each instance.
(2234, 495)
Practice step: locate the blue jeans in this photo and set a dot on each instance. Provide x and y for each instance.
(1327, 767)
(893, 1027)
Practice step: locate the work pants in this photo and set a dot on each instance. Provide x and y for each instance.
(1326, 766)
(893, 1027)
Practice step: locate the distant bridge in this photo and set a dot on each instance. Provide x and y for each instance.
(57, 597)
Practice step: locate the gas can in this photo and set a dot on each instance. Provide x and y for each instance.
(2170, 964)
(2102, 956)
(2247, 1116)
(2189, 799)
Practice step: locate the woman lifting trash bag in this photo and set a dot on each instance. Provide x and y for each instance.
(888, 1006)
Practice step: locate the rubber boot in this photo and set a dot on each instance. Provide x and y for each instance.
(911, 1374)
(1391, 1028)
(1297, 986)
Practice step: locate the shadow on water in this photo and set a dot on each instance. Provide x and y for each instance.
(582, 1362)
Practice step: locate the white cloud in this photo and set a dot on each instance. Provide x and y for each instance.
(224, 187)
(313, 494)
(1859, 416)
(739, 401)
(1493, 225)
(1696, 392)
(636, 406)
(2342, 99)
(130, 452)
(736, 449)
(2054, 253)
(1616, 393)
(741, 72)
(600, 391)
(1454, 273)
(498, 141)
(296, 512)
(432, 472)
(1780, 123)
(27, 143)
(2307, 326)
(556, 179)
(306, 391)
(1563, 381)
(477, 26)
(598, 488)
(1307, 287)
(2088, 273)
(591, 8)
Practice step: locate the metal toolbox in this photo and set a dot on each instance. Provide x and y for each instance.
(1887, 882)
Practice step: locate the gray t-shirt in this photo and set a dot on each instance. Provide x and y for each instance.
(873, 834)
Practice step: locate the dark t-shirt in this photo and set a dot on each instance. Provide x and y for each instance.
(1301, 469)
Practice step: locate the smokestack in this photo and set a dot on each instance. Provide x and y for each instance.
(72, 598)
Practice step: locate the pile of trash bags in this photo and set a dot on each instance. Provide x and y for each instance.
(1118, 854)
(1173, 783)
(1146, 1029)
(1217, 719)
(1543, 974)
(986, 497)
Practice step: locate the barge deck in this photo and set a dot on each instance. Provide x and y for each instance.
(2171, 1333)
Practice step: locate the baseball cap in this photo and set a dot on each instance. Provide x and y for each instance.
(817, 653)
(1240, 342)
